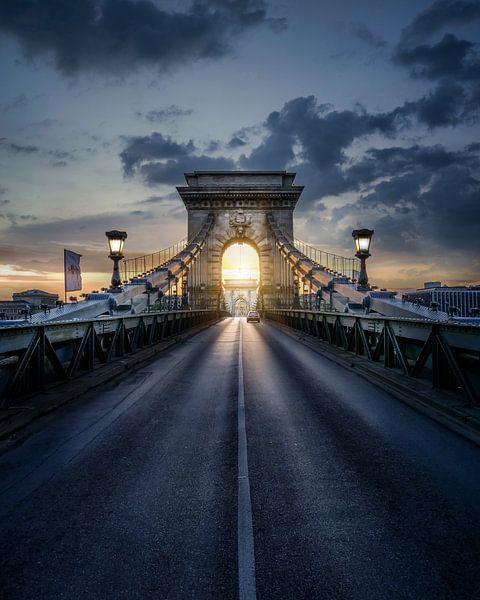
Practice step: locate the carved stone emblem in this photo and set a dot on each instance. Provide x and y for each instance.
(239, 222)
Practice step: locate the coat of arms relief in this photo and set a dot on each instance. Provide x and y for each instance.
(239, 222)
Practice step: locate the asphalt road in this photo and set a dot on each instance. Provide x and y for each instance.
(143, 489)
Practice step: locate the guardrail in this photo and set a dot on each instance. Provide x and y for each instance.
(447, 354)
(141, 265)
(337, 265)
(33, 357)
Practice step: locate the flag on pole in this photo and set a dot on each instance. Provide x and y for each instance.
(73, 273)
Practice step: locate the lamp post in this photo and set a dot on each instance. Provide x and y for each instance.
(279, 301)
(185, 288)
(296, 292)
(116, 241)
(363, 239)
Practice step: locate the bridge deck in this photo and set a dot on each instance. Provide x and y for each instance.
(132, 492)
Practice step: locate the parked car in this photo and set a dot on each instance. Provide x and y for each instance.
(253, 315)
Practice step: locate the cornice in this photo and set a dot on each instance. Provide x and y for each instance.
(227, 198)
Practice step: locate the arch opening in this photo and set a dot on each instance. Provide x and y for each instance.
(240, 278)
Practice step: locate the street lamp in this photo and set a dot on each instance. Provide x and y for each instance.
(363, 239)
(116, 241)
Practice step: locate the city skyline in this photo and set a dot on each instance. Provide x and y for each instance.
(375, 107)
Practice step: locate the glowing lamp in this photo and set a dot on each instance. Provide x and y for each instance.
(363, 239)
(116, 242)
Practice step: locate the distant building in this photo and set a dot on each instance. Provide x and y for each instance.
(13, 310)
(460, 301)
(240, 295)
(36, 298)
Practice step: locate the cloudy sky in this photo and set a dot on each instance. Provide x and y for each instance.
(105, 103)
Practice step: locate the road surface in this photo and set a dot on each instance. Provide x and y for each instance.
(240, 463)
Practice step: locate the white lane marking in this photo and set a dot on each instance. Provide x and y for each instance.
(246, 554)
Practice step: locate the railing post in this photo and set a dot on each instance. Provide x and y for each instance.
(41, 358)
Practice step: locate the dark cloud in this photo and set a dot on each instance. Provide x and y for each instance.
(276, 149)
(423, 200)
(450, 57)
(236, 142)
(118, 36)
(448, 104)
(213, 146)
(377, 164)
(61, 154)
(412, 195)
(170, 113)
(172, 171)
(363, 33)
(246, 133)
(155, 146)
(454, 62)
(161, 160)
(322, 133)
(57, 157)
(306, 134)
(438, 15)
(19, 148)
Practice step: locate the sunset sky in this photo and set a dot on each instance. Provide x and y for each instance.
(104, 104)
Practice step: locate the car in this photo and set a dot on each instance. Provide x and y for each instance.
(253, 315)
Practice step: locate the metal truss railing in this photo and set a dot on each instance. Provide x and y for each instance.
(335, 264)
(141, 265)
(447, 354)
(34, 357)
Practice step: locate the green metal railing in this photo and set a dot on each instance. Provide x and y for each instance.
(447, 354)
(33, 357)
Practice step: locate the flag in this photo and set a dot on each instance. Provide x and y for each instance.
(73, 273)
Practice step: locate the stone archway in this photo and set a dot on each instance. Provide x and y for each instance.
(240, 202)
(241, 307)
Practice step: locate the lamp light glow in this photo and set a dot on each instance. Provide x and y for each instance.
(116, 242)
(363, 239)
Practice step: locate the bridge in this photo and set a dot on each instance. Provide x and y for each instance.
(155, 445)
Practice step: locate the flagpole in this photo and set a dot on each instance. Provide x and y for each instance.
(64, 277)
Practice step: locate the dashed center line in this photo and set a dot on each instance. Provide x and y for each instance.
(246, 554)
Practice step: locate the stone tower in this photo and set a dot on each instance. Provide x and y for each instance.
(239, 202)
